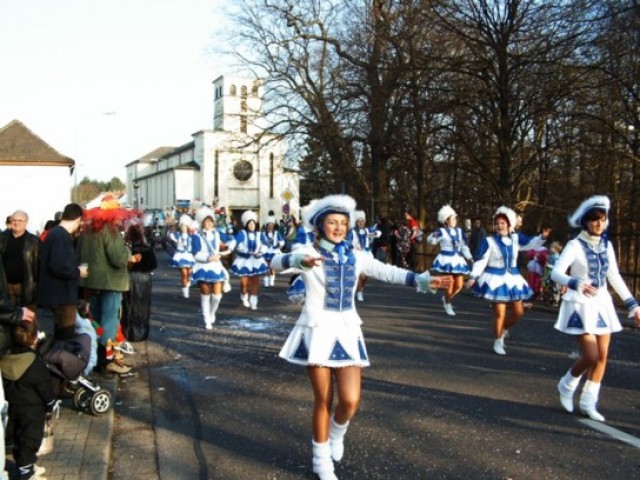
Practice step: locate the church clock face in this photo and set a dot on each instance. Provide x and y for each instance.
(243, 170)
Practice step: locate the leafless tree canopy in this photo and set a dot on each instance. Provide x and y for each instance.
(410, 104)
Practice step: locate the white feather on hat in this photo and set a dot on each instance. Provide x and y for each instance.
(444, 213)
(247, 216)
(204, 212)
(359, 215)
(510, 214)
(313, 213)
(185, 220)
(600, 202)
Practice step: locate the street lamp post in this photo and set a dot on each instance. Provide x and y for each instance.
(136, 198)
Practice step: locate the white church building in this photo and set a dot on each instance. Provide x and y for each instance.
(236, 164)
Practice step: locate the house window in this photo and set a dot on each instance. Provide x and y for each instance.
(243, 91)
(243, 124)
(271, 174)
(232, 90)
(254, 89)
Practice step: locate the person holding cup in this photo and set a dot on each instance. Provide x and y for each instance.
(60, 273)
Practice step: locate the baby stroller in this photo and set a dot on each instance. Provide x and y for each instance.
(66, 360)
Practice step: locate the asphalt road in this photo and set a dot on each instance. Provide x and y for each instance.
(437, 403)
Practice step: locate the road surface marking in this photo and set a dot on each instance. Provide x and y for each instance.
(613, 432)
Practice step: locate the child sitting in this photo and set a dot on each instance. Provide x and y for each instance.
(85, 325)
(29, 390)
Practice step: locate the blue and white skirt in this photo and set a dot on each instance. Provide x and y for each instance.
(249, 267)
(210, 272)
(341, 345)
(502, 287)
(182, 260)
(595, 315)
(451, 263)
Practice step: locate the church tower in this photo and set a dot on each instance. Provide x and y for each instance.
(237, 105)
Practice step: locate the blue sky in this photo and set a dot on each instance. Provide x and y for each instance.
(67, 65)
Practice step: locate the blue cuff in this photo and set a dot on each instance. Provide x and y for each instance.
(630, 303)
(573, 283)
(410, 280)
(286, 261)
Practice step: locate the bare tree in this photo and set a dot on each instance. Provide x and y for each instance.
(510, 69)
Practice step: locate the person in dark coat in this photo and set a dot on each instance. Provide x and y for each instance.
(9, 315)
(136, 303)
(60, 273)
(29, 390)
(20, 250)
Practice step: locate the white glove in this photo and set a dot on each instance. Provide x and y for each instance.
(422, 283)
(296, 261)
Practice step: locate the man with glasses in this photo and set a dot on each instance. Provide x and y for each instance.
(20, 252)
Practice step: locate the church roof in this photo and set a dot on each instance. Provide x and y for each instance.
(154, 155)
(20, 146)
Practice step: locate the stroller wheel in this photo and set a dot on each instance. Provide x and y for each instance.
(100, 402)
(81, 398)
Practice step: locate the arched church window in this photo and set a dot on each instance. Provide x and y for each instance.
(232, 90)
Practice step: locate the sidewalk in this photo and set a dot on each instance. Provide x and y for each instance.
(82, 441)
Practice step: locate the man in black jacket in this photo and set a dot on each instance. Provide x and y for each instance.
(20, 252)
(60, 273)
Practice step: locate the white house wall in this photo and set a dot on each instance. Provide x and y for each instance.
(41, 191)
(184, 184)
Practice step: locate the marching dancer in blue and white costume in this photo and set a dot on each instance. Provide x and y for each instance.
(274, 241)
(327, 338)
(208, 272)
(249, 263)
(183, 258)
(495, 275)
(453, 256)
(361, 237)
(587, 310)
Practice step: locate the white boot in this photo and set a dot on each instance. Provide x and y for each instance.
(244, 297)
(566, 387)
(205, 306)
(322, 463)
(589, 399)
(265, 280)
(359, 296)
(215, 303)
(498, 346)
(272, 280)
(253, 302)
(226, 286)
(185, 292)
(448, 308)
(336, 439)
